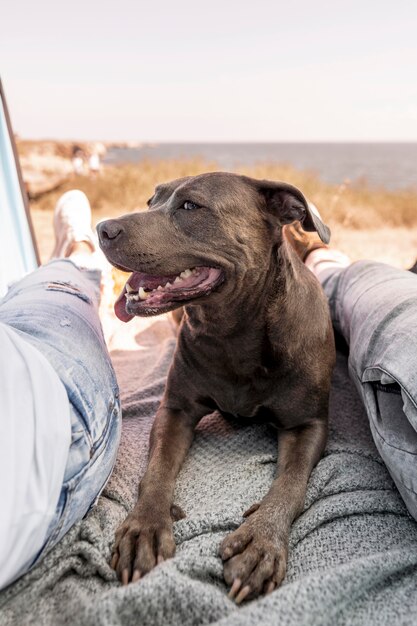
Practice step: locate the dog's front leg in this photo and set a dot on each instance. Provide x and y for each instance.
(145, 538)
(255, 554)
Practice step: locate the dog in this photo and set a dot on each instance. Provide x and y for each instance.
(255, 341)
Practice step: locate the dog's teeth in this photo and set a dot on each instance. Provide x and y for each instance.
(129, 289)
(186, 273)
(142, 294)
(159, 288)
(177, 280)
(132, 296)
(168, 285)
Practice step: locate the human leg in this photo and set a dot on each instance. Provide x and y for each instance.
(55, 309)
(374, 307)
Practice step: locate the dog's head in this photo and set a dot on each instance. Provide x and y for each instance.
(202, 236)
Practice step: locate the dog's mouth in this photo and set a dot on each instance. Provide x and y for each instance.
(145, 294)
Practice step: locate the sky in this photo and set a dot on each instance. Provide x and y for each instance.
(219, 70)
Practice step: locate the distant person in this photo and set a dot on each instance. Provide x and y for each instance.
(94, 164)
(60, 411)
(78, 161)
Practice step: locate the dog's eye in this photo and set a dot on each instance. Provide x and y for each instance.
(190, 206)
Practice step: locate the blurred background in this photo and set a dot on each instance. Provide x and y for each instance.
(114, 98)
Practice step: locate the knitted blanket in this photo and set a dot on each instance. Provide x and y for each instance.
(353, 551)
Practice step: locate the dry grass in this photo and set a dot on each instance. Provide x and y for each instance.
(125, 188)
(355, 206)
(366, 223)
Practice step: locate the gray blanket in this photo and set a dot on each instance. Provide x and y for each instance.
(353, 551)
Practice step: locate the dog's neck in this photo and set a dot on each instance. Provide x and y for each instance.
(240, 313)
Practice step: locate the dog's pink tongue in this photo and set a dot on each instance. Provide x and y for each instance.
(120, 307)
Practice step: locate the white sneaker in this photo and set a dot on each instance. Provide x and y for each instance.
(72, 223)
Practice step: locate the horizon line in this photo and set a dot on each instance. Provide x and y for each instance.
(150, 142)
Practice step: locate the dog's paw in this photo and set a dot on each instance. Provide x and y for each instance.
(255, 560)
(144, 540)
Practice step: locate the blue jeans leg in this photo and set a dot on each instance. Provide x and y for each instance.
(374, 307)
(55, 308)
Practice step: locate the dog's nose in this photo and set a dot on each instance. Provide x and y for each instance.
(109, 229)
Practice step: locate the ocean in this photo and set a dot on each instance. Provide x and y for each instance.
(389, 165)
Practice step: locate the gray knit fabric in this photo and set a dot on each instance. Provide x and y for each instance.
(353, 552)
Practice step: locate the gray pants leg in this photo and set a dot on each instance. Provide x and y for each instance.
(374, 307)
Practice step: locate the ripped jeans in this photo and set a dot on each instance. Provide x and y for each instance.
(55, 308)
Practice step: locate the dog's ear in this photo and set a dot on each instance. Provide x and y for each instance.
(288, 204)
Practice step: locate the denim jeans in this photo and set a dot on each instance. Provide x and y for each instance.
(374, 307)
(55, 308)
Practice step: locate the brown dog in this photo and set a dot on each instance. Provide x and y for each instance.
(256, 342)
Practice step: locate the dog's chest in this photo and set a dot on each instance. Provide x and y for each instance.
(237, 375)
(240, 398)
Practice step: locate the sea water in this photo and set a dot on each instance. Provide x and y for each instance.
(389, 165)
